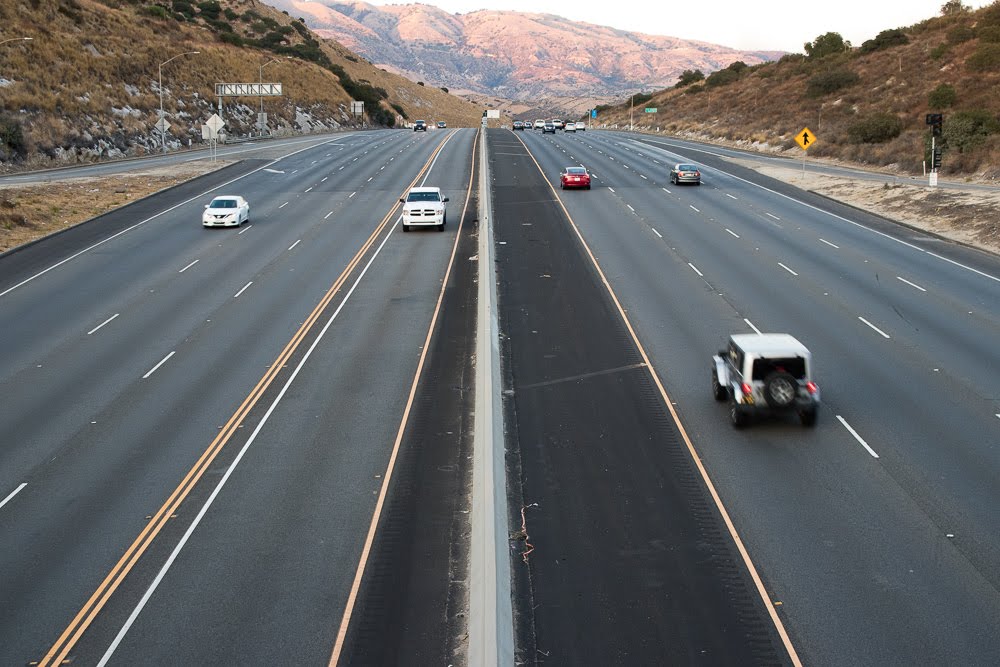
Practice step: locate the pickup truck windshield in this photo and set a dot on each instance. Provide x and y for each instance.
(423, 196)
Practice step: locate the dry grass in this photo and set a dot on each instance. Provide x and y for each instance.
(770, 104)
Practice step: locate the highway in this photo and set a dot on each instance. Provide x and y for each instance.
(200, 425)
(876, 534)
(254, 446)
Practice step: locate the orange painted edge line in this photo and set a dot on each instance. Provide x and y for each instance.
(758, 582)
(61, 648)
(352, 597)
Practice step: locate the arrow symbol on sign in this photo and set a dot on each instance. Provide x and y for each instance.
(805, 138)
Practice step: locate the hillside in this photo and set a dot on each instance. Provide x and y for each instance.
(865, 104)
(516, 55)
(86, 86)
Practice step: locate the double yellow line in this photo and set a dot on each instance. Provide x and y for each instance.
(85, 617)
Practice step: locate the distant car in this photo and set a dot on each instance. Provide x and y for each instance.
(570, 127)
(558, 123)
(765, 374)
(539, 124)
(518, 125)
(420, 126)
(548, 127)
(581, 127)
(574, 177)
(442, 124)
(685, 173)
(226, 211)
(424, 207)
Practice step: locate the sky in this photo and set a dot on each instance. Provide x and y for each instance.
(776, 25)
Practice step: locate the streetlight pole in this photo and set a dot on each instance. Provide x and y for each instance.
(631, 104)
(163, 132)
(260, 123)
(16, 39)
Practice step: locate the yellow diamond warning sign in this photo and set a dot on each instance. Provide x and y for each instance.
(805, 138)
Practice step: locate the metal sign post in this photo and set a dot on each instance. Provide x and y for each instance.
(805, 139)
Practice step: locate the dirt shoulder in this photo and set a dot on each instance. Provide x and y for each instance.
(972, 218)
(29, 212)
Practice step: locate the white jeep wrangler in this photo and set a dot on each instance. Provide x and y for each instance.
(765, 373)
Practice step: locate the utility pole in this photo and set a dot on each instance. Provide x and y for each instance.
(631, 104)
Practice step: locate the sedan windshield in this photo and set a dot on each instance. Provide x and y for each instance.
(223, 203)
(576, 171)
(686, 167)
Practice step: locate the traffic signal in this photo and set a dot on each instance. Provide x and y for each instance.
(484, 113)
(936, 121)
(936, 159)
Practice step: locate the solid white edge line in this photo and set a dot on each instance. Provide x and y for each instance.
(10, 496)
(656, 232)
(237, 295)
(700, 274)
(832, 245)
(157, 366)
(900, 278)
(732, 232)
(857, 437)
(229, 471)
(295, 244)
(877, 330)
(750, 324)
(787, 269)
(189, 266)
(103, 323)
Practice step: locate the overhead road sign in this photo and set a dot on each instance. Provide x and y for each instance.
(493, 113)
(805, 138)
(248, 89)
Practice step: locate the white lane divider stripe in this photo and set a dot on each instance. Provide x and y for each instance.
(832, 245)
(900, 278)
(657, 233)
(283, 205)
(856, 436)
(732, 232)
(611, 189)
(630, 208)
(700, 274)
(157, 366)
(309, 189)
(103, 323)
(245, 229)
(328, 215)
(665, 190)
(772, 215)
(730, 196)
(694, 209)
(352, 194)
(295, 244)
(750, 324)
(10, 496)
(877, 330)
(787, 269)
(237, 295)
(189, 266)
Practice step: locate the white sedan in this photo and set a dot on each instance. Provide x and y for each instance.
(226, 211)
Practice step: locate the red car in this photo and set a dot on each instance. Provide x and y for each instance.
(574, 177)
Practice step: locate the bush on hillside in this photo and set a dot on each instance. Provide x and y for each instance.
(965, 130)
(989, 33)
(399, 109)
(721, 77)
(688, 77)
(939, 51)
(156, 11)
(985, 59)
(231, 38)
(941, 97)
(210, 9)
(960, 33)
(694, 90)
(885, 40)
(12, 142)
(826, 45)
(830, 81)
(641, 98)
(875, 128)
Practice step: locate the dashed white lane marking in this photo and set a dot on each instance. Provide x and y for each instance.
(324, 178)
(352, 194)
(910, 284)
(832, 245)
(189, 266)
(245, 229)
(856, 436)
(656, 232)
(626, 166)
(328, 215)
(750, 324)
(295, 244)
(694, 209)
(611, 189)
(730, 196)
(700, 274)
(657, 162)
(157, 366)
(998, 415)
(340, 168)
(244, 289)
(787, 269)
(630, 208)
(771, 215)
(665, 190)
(643, 176)
(877, 330)
(732, 232)
(369, 180)
(309, 189)
(103, 323)
(283, 205)
(10, 496)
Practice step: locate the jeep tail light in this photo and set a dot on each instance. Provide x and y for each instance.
(811, 387)
(747, 389)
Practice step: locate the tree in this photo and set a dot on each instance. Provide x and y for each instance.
(953, 8)
(688, 77)
(826, 45)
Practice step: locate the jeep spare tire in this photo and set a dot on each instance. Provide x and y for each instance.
(779, 390)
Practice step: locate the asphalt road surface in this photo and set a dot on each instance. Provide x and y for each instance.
(876, 534)
(199, 424)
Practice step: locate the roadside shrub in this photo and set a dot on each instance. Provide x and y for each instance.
(965, 130)
(722, 77)
(230, 14)
(941, 97)
(399, 109)
(985, 59)
(12, 140)
(830, 81)
(381, 116)
(885, 40)
(875, 128)
(641, 98)
(960, 33)
(231, 38)
(989, 34)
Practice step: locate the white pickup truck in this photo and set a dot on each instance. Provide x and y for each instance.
(424, 207)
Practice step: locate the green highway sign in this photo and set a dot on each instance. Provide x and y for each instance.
(650, 109)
